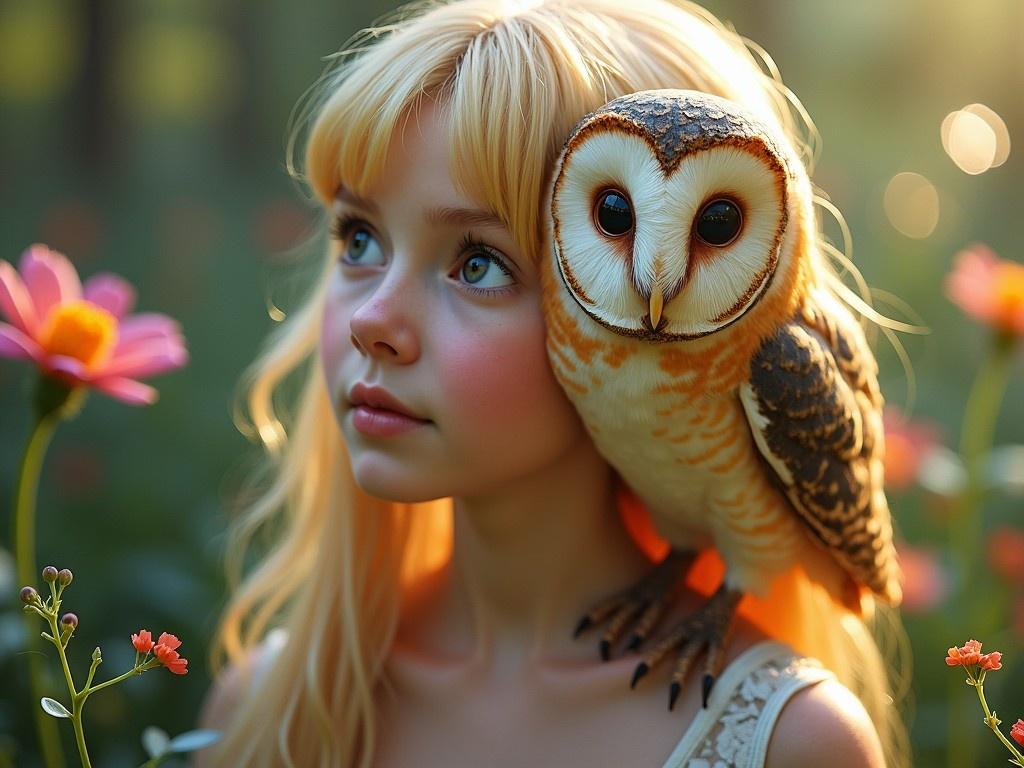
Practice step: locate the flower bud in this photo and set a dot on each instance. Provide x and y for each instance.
(49, 574)
(69, 620)
(97, 655)
(65, 576)
(28, 595)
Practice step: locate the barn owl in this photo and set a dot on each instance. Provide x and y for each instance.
(690, 324)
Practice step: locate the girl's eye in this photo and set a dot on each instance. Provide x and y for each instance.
(479, 268)
(359, 246)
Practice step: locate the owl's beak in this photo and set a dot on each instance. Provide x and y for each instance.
(655, 305)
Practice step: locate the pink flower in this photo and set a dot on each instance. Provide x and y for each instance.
(924, 581)
(1017, 732)
(988, 288)
(83, 335)
(143, 641)
(165, 651)
(906, 443)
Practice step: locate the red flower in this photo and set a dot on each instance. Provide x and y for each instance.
(966, 656)
(988, 288)
(990, 661)
(143, 641)
(165, 651)
(1017, 732)
(1006, 553)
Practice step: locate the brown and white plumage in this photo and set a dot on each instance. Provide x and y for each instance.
(730, 390)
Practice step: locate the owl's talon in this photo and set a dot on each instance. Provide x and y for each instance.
(641, 670)
(706, 684)
(673, 694)
(649, 599)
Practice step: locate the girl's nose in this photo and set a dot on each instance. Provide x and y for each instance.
(383, 325)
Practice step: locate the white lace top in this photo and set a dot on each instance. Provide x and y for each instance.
(734, 730)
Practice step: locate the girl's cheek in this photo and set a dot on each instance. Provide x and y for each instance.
(500, 378)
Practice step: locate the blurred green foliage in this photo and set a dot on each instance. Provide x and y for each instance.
(147, 138)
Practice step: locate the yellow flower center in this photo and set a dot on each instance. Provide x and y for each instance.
(80, 330)
(1009, 292)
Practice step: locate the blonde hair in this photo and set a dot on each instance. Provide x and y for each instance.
(515, 77)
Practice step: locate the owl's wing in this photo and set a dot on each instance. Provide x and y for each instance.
(814, 407)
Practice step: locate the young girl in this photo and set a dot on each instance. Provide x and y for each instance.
(428, 569)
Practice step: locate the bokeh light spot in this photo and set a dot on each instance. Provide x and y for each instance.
(39, 51)
(180, 72)
(971, 141)
(912, 204)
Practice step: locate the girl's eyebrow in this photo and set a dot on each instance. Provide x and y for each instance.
(452, 216)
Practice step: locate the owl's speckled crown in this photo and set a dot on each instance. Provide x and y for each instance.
(682, 121)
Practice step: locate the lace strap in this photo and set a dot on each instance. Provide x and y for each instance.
(721, 696)
(773, 707)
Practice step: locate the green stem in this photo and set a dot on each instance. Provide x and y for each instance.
(990, 721)
(980, 417)
(113, 681)
(24, 538)
(52, 402)
(76, 721)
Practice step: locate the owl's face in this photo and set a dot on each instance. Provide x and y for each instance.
(668, 214)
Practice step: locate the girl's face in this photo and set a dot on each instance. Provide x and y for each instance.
(439, 307)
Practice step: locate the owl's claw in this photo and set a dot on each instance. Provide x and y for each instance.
(709, 628)
(649, 599)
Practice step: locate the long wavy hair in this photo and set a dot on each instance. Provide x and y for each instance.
(515, 77)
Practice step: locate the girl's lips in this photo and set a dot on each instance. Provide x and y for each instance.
(380, 422)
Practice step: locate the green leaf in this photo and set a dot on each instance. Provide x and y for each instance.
(53, 707)
(193, 740)
(155, 741)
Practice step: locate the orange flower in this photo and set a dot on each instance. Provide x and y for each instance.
(966, 656)
(165, 651)
(143, 641)
(988, 288)
(990, 661)
(1017, 732)
(84, 335)
(906, 443)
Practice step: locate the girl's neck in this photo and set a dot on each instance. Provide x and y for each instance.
(527, 562)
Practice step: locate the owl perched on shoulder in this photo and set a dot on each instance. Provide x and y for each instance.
(690, 324)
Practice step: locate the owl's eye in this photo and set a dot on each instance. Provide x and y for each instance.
(719, 222)
(613, 213)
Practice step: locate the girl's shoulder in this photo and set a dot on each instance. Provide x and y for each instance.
(232, 685)
(824, 724)
(777, 708)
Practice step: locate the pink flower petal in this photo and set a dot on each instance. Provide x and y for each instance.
(69, 368)
(113, 293)
(15, 301)
(15, 344)
(50, 278)
(158, 356)
(145, 325)
(127, 390)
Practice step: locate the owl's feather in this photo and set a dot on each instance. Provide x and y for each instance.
(814, 407)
